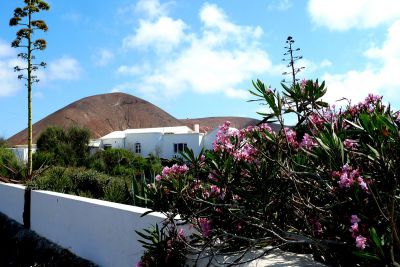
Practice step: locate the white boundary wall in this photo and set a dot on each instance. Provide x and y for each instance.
(104, 232)
(100, 231)
(12, 201)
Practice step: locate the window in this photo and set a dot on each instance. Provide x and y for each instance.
(179, 147)
(138, 148)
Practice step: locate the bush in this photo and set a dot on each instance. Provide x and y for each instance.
(118, 191)
(10, 166)
(329, 185)
(85, 183)
(66, 147)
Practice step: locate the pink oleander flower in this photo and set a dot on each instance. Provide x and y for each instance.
(215, 190)
(350, 144)
(205, 226)
(347, 177)
(174, 170)
(361, 242)
(308, 142)
(354, 219)
(291, 137)
(236, 142)
(206, 194)
(181, 233)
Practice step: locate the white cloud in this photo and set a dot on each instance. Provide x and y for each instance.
(152, 8)
(103, 57)
(164, 34)
(281, 5)
(217, 60)
(9, 83)
(379, 75)
(343, 14)
(64, 68)
(133, 70)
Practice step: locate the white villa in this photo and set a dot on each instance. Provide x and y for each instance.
(165, 142)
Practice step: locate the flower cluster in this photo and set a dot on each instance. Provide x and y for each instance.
(238, 142)
(173, 171)
(308, 142)
(361, 242)
(350, 144)
(369, 105)
(348, 177)
(291, 137)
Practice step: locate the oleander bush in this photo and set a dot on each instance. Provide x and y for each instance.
(329, 185)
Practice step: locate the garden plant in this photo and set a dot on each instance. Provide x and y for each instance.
(329, 185)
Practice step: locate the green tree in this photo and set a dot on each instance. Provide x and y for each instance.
(63, 147)
(23, 17)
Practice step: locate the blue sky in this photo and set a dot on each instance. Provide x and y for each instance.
(198, 58)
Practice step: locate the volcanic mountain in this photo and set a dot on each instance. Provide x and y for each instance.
(105, 113)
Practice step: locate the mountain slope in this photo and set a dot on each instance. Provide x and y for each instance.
(102, 114)
(105, 113)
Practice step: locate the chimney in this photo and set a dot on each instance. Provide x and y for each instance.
(196, 128)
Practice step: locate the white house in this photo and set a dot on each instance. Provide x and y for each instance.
(166, 142)
(21, 152)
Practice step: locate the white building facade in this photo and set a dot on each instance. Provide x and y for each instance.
(165, 142)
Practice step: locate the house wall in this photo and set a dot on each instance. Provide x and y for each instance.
(193, 141)
(209, 138)
(114, 142)
(150, 142)
(22, 153)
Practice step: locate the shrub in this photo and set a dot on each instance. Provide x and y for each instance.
(329, 185)
(66, 147)
(10, 166)
(118, 191)
(90, 183)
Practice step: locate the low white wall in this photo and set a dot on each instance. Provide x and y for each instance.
(12, 201)
(100, 231)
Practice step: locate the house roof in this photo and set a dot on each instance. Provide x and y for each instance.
(162, 130)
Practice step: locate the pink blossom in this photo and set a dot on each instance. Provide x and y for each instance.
(347, 177)
(291, 137)
(173, 171)
(215, 190)
(355, 219)
(205, 226)
(206, 194)
(308, 142)
(181, 233)
(350, 144)
(361, 242)
(362, 184)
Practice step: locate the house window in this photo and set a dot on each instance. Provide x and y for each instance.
(138, 148)
(179, 147)
(107, 146)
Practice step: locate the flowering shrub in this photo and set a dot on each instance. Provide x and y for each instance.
(328, 185)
